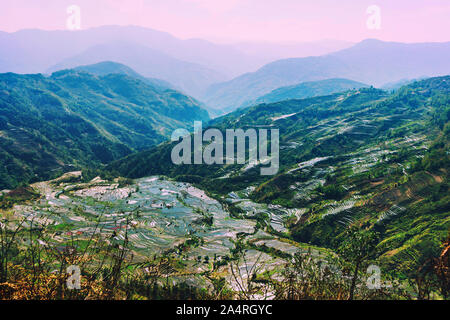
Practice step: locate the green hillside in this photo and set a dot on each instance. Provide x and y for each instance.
(72, 119)
(307, 90)
(108, 67)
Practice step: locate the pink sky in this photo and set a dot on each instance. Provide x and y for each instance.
(244, 20)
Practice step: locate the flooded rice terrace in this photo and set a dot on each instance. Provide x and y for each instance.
(158, 216)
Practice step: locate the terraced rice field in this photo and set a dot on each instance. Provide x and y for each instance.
(156, 215)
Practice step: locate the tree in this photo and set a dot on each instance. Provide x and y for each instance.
(357, 248)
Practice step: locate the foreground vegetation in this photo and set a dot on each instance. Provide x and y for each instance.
(32, 268)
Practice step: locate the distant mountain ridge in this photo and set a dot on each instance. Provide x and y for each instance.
(307, 90)
(107, 67)
(371, 61)
(189, 77)
(273, 52)
(36, 50)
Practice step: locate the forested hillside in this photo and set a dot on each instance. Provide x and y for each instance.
(307, 90)
(108, 67)
(75, 119)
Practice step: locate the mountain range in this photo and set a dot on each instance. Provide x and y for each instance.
(371, 61)
(189, 77)
(108, 67)
(161, 54)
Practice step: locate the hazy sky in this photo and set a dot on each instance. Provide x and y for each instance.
(242, 20)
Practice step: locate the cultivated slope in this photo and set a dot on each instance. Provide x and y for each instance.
(364, 158)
